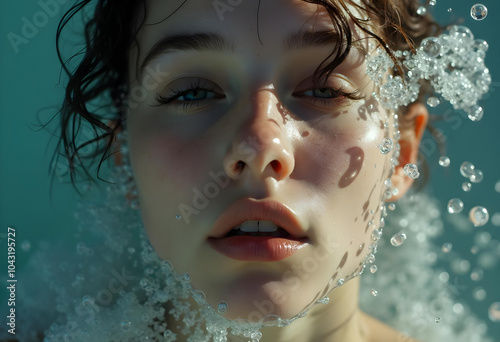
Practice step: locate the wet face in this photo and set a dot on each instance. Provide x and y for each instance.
(241, 124)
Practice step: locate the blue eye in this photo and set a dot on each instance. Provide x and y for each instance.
(194, 95)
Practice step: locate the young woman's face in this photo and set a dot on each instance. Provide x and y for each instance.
(256, 140)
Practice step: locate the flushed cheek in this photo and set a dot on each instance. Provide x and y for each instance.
(172, 160)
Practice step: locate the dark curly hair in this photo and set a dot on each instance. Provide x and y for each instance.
(100, 79)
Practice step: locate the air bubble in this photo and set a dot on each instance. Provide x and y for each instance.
(444, 161)
(495, 219)
(437, 319)
(466, 186)
(432, 3)
(411, 170)
(386, 145)
(455, 206)
(421, 10)
(373, 268)
(479, 293)
(398, 239)
(391, 206)
(449, 10)
(467, 169)
(477, 176)
(178, 217)
(475, 113)
(431, 47)
(478, 216)
(25, 246)
(446, 247)
(340, 282)
(374, 293)
(222, 308)
(433, 101)
(497, 186)
(125, 325)
(478, 12)
(494, 312)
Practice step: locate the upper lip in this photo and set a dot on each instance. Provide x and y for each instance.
(247, 209)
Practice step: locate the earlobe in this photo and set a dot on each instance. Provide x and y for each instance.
(412, 129)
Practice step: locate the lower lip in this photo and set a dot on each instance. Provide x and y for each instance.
(257, 248)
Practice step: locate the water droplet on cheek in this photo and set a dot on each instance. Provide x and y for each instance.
(356, 161)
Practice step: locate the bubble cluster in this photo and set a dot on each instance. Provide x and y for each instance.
(411, 170)
(453, 63)
(455, 206)
(478, 11)
(479, 216)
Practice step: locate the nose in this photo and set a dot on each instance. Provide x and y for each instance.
(262, 147)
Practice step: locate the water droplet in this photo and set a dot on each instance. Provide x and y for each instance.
(455, 206)
(444, 161)
(438, 319)
(222, 308)
(186, 278)
(411, 170)
(433, 101)
(449, 9)
(432, 3)
(386, 145)
(373, 268)
(376, 234)
(477, 176)
(370, 258)
(421, 10)
(466, 186)
(374, 293)
(475, 113)
(446, 247)
(398, 239)
(391, 206)
(25, 246)
(467, 169)
(494, 312)
(431, 47)
(166, 266)
(479, 293)
(324, 300)
(478, 12)
(478, 216)
(178, 217)
(340, 282)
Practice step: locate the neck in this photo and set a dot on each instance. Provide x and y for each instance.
(339, 320)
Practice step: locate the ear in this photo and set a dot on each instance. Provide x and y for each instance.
(412, 128)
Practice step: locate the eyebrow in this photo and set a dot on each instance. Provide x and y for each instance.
(217, 43)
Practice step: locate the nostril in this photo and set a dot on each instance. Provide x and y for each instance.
(276, 165)
(239, 165)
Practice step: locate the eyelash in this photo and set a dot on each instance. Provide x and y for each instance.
(338, 94)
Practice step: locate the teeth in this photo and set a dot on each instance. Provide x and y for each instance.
(267, 226)
(258, 226)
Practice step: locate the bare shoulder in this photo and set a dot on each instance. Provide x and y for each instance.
(381, 332)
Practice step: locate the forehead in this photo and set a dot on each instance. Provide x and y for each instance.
(256, 26)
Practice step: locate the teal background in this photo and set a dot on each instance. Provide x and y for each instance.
(31, 90)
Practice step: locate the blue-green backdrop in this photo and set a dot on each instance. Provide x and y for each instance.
(31, 90)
